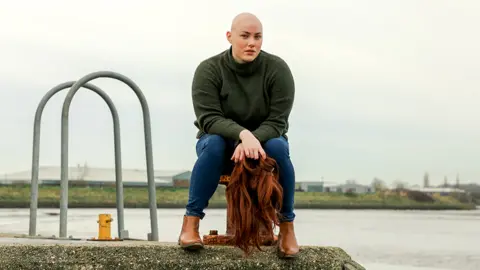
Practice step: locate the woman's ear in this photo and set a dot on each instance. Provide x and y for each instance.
(229, 37)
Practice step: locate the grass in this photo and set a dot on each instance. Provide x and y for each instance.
(105, 197)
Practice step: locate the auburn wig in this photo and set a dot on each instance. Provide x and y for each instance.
(254, 197)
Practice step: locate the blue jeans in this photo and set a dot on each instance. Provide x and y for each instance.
(214, 153)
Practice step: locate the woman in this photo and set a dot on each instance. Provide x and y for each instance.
(242, 99)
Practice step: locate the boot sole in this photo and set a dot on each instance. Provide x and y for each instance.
(282, 255)
(192, 247)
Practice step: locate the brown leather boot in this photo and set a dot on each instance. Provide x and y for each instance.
(287, 242)
(189, 238)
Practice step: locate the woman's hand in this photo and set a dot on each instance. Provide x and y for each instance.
(238, 154)
(251, 146)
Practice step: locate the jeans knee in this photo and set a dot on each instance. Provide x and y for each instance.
(277, 148)
(212, 144)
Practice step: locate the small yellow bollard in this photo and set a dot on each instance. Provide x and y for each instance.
(105, 228)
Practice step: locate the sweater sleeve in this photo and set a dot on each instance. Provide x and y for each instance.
(206, 104)
(281, 103)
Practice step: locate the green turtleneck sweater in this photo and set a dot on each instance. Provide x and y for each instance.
(229, 97)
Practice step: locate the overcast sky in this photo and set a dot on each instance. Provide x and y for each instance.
(386, 89)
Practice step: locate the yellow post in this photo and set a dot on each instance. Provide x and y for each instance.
(104, 226)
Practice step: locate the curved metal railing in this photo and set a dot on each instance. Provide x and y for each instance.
(75, 86)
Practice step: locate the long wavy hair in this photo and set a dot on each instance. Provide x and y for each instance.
(254, 197)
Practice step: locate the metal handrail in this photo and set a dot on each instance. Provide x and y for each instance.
(36, 156)
(153, 236)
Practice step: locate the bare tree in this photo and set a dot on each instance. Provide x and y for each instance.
(398, 184)
(378, 184)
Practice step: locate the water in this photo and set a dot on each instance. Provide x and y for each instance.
(379, 240)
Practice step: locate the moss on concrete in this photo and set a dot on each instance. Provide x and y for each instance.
(153, 255)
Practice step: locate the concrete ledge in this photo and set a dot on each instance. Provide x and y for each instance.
(18, 253)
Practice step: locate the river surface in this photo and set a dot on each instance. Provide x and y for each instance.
(378, 239)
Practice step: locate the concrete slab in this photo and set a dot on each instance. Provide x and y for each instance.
(24, 253)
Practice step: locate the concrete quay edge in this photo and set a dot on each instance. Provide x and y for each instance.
(20, 252)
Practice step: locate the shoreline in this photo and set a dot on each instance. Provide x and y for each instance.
(176, 198)
(312, 206)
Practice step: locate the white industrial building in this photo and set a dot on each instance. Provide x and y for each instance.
(50, 175)
(350, 187)
(437, 190)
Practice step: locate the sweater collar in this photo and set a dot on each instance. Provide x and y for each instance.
(243, 68)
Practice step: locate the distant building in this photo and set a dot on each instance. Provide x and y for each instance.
(91, 176)
(349, 187)
(355, 188)
(323, 186)
(437, 190)
(330, 187)
(312, 186)
(182, 179)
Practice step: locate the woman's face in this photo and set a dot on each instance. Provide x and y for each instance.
(246, 40)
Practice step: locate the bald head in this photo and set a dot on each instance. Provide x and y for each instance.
(245, 19)
(246, 37)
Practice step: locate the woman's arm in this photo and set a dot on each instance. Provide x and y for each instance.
(281, 103)
(206, 103)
